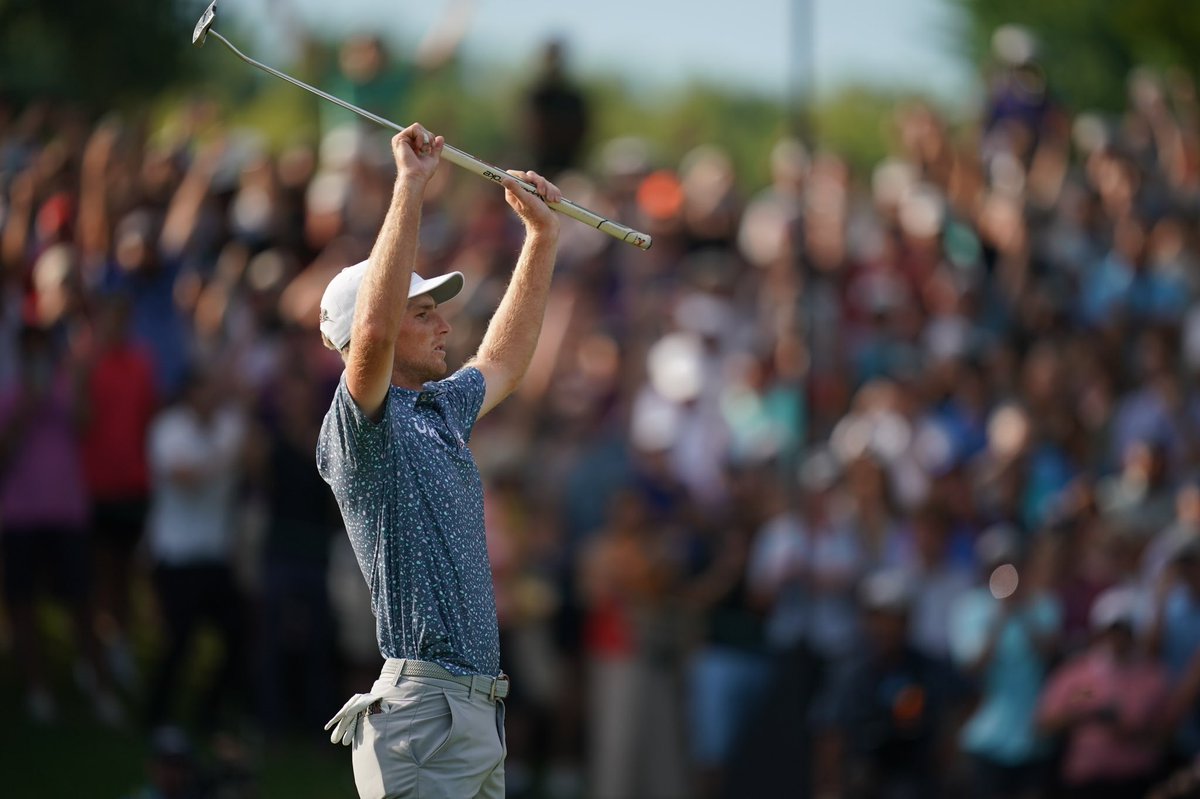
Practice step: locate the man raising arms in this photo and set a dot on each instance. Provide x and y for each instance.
(393, 447)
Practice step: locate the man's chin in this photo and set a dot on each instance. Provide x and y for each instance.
(438, 369)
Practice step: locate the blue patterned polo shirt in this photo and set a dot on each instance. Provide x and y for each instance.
(412, 502)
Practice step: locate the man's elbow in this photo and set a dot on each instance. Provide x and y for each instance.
(371, 334)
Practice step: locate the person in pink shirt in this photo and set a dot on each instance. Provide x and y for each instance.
(43, 519)
(1109, 704)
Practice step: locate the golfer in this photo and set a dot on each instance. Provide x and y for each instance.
(393, 447)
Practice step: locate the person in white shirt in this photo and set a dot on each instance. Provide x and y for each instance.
(195, 455)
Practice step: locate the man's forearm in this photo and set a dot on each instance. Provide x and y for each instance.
(513, 332)
(383, 295)
(382, 300)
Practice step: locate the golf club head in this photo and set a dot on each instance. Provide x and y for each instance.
(206, 22)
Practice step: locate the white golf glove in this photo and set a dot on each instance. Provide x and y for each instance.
(345, 721)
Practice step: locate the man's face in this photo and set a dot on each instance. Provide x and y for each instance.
(420, 352)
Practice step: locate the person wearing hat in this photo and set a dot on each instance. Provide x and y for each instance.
(879, 727)
(393, 448)
(171, 768)
(1173, 633)
(1108, 703)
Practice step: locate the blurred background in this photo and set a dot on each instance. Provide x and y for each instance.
(877, 476)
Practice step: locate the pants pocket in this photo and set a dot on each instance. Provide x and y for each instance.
(500, 728)
(430, 726)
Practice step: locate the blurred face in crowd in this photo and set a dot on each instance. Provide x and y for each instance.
(816, 505)
(1041, 375)
(888, 630)
(1129, 240)
(628, 511)
(171, 777)
(929, 537)
(362, 58)
(1145, 462)
(159, 174)
(203, 395)
(1118, 640)
(135, 242)
(1188, 569)
(57, 284)
(37, 358)
(112, 320)
(867, 481)
(1187, 504)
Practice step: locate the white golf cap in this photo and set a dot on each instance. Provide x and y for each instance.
(337, 303)
(888, 590)
(1117, 605)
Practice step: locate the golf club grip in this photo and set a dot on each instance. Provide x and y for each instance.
(463, 159)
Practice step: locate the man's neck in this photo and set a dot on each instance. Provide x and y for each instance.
(407, 380)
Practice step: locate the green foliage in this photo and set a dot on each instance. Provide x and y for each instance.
(1089, 46)
(855, 124)
(106, 762)
(744, 125)
(136, 55)
(479, 117)
(482, 116)
(94, 53)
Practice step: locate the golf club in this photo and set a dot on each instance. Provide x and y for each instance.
(204, 29)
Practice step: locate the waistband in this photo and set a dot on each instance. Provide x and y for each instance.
(485, 685)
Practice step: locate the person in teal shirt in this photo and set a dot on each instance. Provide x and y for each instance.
(1005, 642)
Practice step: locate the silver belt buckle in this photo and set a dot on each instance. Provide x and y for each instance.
(496, 682)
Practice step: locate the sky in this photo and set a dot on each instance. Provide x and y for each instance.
(762, 45)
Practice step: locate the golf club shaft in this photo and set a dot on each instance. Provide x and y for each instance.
(462, 159)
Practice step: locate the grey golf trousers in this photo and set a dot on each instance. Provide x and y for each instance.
(430, 738)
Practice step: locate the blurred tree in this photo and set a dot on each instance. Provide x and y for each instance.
(99, 54)
(745, 125)
(136, 56)
(855, 123)
(1088, 47)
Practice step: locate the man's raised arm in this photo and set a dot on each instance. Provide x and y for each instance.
(383, 294)
(512, 334)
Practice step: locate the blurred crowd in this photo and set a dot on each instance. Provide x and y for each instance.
(879, 485)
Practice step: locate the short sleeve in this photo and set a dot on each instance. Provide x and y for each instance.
(351, 445)
(969, 624)
(462, 397)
